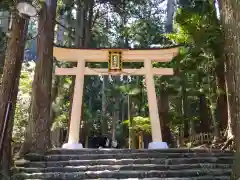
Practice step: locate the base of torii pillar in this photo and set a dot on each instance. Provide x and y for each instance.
(158, 145)
(72, 146)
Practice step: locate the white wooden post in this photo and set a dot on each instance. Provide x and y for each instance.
(153, 108)
(73, 139)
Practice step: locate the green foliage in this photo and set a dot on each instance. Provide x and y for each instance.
(198, 29)
(147, 29)
(6, 4)
(139, 124)
(139, 24)
(62, 104)
(23, 102)
(129, 89)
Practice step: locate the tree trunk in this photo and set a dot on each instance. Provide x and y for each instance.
(229, 131)
(140, 96)
(185, 109)
(191, 130)
(203, 115)
(116, 108)
(132, 115)
(2, 54)
(213, 106)
(222, 100)
(88, 28)
(9, 87)
(38, 138)
(2, 58)
(170, 14)
(123, 111)
(114, 123)
(230, 18)
(55, 137)
(181, 125)
(204, 125)
(104, 124)
(55, 133)
(216, 133)
(130, 121)
(163, 104)
(86, 141)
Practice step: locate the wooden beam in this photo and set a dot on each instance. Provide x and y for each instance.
(101, 55)
(104, 71)
(162, 71)
(141, 71)
(66, 71)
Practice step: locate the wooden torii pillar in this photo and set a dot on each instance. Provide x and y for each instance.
(81, 56)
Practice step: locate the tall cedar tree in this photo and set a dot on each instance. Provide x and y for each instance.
(9, 87)
(230, 18)
(39, 128)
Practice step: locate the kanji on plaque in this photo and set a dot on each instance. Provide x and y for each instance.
(115, 61)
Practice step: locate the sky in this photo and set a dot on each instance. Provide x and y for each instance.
(217, 9)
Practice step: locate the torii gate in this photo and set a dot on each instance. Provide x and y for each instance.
(115, 58)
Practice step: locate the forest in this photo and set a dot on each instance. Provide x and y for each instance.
(198, 106)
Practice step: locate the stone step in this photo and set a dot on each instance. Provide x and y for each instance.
(133, 167)
(161, 161)
(124, 174)
(124, 151)
(192, 178)
(167, 164)
(65, 157)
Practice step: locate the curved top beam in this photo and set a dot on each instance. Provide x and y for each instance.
(101, 55)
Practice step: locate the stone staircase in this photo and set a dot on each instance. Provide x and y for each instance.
(111, 164)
